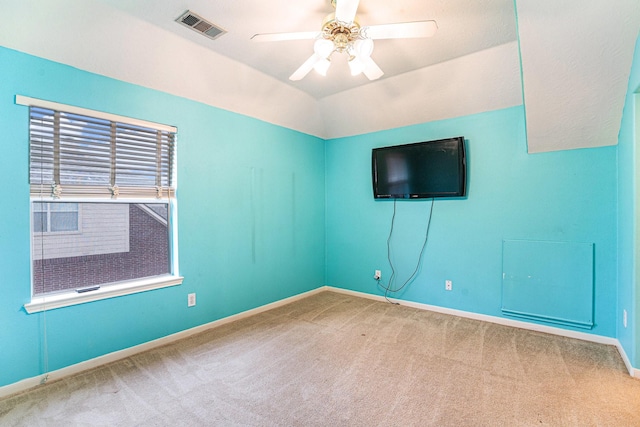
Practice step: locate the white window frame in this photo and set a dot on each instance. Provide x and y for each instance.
(69, 298)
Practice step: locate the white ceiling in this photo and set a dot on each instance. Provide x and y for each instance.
(576, 60)
(579, 50)
(465, 26)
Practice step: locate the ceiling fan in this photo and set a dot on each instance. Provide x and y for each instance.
(341, 32)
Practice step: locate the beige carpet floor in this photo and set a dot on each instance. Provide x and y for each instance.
(337, 360)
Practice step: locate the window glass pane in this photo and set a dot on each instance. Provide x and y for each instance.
(64, 221)
(63, 207)
(160, 209)
(115, 242)
(39, 222)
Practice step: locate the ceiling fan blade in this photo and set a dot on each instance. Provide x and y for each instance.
(276, 37)
(403, 30)
(305, 68)
(370, 68)
(346, 10)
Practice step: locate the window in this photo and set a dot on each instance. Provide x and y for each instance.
(102, 206)
(119, 242)
(54, 217)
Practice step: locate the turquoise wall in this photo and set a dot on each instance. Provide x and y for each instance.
(266, 213)
(628, 241)
(251, 220)
(567, 196)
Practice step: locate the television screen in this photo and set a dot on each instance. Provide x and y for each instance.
(420, 170)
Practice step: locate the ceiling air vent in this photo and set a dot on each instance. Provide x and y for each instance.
(197, 23)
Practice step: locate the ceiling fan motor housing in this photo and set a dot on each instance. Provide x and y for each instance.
(340, 33)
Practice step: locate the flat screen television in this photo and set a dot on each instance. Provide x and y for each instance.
(420, 170)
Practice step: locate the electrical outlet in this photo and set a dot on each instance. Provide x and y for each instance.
(377, 275)
(624, 318)
(191, 300)
(448, 285)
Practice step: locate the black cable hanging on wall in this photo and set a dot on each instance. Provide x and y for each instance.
(388, 288)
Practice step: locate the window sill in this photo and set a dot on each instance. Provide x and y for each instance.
(65, 299)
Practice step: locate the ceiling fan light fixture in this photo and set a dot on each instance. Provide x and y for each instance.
(363, 47)
(323, 47)
(341, 32)
(322, 66)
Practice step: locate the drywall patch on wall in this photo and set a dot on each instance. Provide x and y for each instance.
(548, 281)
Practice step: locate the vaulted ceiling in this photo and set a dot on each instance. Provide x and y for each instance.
(567, 61)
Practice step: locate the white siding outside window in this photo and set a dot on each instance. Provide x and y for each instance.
(103, 229)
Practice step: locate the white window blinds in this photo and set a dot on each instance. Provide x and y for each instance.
(76, 154)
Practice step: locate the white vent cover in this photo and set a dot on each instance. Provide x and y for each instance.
(201, 25)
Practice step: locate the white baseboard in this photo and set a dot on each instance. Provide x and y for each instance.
(503, 321)
(632, 371)
(29, 383)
